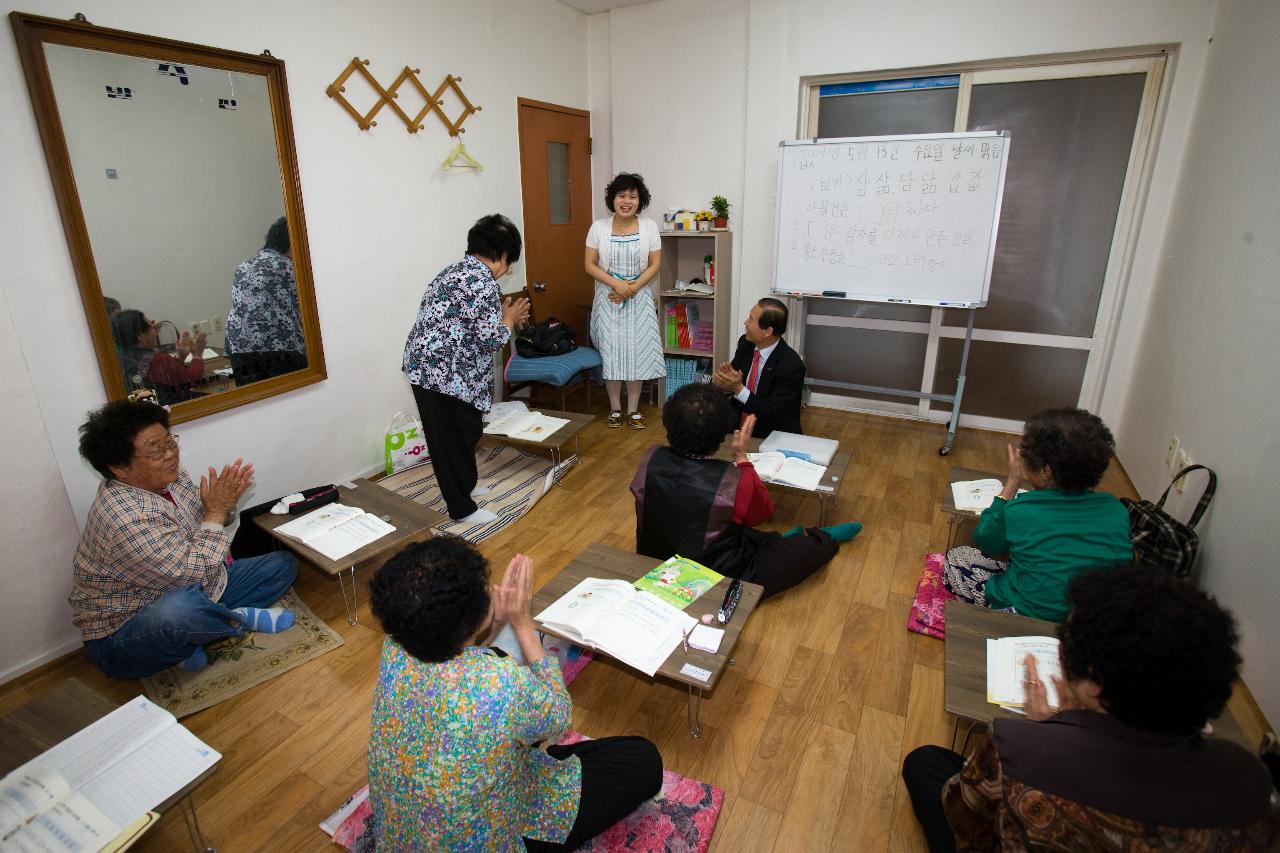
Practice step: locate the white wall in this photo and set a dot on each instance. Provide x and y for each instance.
(382, 220)
(1208, 361)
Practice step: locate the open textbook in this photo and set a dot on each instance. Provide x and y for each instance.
(635, 627)
(336, 530)
(101, 783)
(525, 426)
(1007, 669)
(976, 495)
(775, 467)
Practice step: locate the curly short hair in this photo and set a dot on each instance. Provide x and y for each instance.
(127, 326)
(495, 238)
(1075, 444)
(697, 417)
(1162, 651)
(627, 181)
(106, 438)
(432, 597)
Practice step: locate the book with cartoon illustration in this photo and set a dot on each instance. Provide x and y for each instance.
(679, 581)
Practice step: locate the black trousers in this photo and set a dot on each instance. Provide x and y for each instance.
(453, 430)
(785, 561)
(257, 366)
(925, 771)
(618, 774)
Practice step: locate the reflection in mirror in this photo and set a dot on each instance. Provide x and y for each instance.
(174, 170)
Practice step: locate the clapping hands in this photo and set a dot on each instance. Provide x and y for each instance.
(511, 598)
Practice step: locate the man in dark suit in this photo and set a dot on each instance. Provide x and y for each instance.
(766, 377)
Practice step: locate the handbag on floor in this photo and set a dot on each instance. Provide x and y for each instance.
(1159, 539)
(404, 445)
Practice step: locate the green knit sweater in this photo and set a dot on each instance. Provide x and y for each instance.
(1050, 537)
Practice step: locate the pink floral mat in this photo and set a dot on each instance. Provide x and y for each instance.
(929, 609)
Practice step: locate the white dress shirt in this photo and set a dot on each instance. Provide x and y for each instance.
(745, 394)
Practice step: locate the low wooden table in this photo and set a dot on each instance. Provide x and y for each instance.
(556, 441)
(52, 717)
(412, 523)
(957, 517)
(965, 674)
(827, 488)
(601, 561)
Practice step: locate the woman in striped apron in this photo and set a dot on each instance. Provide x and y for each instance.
(623, 256)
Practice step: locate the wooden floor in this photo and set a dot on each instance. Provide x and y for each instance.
(805, 734)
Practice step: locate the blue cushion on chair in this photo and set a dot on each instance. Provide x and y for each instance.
(552, 369)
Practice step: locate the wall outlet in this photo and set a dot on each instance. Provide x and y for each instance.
(195, 327)
(217, 324)
(206, 326)
(1171, 455)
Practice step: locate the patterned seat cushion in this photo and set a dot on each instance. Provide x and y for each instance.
(555, 370)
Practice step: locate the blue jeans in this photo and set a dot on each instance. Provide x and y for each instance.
(168, 630)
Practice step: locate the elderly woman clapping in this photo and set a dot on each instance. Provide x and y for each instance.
(454, 760)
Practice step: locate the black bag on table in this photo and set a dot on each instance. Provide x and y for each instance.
(1159, 539)
(550, 337)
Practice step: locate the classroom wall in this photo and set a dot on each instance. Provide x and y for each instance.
(382, 217)
(1207, 366)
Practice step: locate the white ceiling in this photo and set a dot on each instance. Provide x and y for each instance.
(593, 6)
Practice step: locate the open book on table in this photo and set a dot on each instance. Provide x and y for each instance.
(776, 467)
(526, 426)
(976, 495)
(102, 782)
(336, 530)
(636, 627)
(1007, 669)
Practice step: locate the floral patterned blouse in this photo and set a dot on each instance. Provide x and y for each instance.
(452, 761)
(264, 315)
(459, 328)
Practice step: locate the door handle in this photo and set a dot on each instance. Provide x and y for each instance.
(539, 286)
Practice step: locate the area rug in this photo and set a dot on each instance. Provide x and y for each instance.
(238, 663)
(680, 819)
(929, 609)
(516, 480)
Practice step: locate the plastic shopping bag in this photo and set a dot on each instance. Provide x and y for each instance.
(404, 445)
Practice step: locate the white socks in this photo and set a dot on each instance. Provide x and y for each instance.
(480, 516)
(479, 491)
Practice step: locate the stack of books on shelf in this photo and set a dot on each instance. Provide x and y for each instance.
(683, 329)
(681, 372)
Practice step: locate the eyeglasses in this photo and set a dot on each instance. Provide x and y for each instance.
(171, 443)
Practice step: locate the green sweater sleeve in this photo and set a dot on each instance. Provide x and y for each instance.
(990, 534)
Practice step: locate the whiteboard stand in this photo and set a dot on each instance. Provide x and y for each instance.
(953, 399)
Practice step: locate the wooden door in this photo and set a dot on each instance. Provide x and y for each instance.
(555, 178)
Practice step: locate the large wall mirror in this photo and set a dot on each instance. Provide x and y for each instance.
(177, 182)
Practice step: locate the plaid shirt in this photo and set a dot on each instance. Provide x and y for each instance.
(137, 546)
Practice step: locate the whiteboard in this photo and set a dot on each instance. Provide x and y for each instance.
(903, 219)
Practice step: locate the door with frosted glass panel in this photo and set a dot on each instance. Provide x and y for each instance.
(1080, 134)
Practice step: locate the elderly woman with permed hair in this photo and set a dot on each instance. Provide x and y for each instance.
(623, 255)
(455, 754)
(1052, 532)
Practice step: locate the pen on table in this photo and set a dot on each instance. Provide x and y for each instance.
(684, 639)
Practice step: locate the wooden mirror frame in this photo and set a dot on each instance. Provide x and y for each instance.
(32, 33)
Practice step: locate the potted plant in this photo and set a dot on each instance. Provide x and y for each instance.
(720, 206)
(704, 219)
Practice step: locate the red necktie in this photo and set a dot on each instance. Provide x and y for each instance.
(754, 376)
